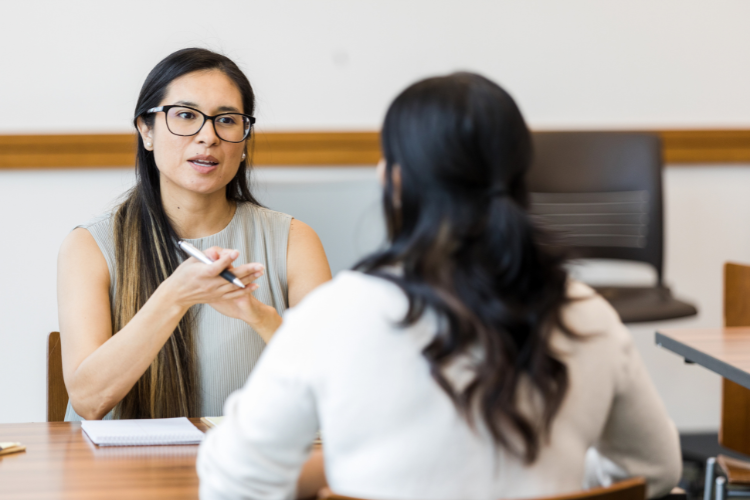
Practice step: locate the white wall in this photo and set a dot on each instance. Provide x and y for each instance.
(78, 65)
(334, 64)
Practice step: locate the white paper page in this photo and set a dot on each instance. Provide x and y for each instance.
(142, 432)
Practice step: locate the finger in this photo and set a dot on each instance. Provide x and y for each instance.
(241, 292)
(248, 270)
(253, 266)
(223, 262)
(216, 252)
(213, 253)
(251, 277)
(234, 254)
(228, 287)
(229, 250)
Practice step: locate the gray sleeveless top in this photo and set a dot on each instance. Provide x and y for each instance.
(227, 348)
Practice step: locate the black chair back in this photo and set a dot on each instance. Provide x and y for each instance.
(602, 191)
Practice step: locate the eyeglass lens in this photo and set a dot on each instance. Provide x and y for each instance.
(229, 127)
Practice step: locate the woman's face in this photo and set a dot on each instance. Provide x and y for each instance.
(201, 163)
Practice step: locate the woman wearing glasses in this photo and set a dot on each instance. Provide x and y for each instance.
(147, 332)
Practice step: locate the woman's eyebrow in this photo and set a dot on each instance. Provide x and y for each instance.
(220, 109)
(228, 109)
(186, 103)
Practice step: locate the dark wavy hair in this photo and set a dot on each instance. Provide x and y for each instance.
(145, 254)
(459, 229)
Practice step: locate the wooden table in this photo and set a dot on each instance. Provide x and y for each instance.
(725, 351)
(61, 462)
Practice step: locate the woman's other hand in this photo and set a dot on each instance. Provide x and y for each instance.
(240, 303)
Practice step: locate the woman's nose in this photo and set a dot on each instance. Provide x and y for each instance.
(207, 134)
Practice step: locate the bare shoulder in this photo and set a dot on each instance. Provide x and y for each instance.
(77, 239)
(80, 251)
(303, 243)
(307, 264)
(301, 233)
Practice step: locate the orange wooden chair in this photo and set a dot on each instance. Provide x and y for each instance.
(57, 394)
(734, 432)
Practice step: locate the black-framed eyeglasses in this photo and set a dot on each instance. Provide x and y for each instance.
(186, 121)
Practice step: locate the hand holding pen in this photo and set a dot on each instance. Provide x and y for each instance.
(209, 278)
(199, 280)
(197, 254)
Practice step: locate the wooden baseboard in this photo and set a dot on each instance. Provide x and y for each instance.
(681, 147)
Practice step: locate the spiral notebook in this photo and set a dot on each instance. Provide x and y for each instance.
(143, 432)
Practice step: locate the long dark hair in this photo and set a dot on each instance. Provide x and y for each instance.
(145, 253)
(459, 230)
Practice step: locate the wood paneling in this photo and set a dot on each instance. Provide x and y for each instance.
(66, 151)
(705, 146)
(681, 147)
(118, 150)
(317, 148)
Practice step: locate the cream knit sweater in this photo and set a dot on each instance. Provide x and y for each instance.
(340, 364)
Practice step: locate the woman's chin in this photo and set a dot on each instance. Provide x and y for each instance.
(203, 186)
(198, 183)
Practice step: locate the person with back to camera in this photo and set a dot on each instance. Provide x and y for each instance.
(147, 332)
(461, 362)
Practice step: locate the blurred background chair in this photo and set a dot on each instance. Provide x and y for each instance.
(57, 394)
(734, 433)
(630, 489)
(601, 192)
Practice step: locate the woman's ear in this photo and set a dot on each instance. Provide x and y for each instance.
(380, 169)
(146, 134)
(395, 180)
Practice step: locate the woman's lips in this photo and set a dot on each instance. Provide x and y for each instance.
(204, 163)
(203, 167)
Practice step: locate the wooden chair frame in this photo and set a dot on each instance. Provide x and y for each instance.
(630, 489)
(734, 432)
(57, 394)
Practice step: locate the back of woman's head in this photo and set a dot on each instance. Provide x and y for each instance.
(456, 150)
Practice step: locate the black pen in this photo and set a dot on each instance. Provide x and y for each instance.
(194, 252)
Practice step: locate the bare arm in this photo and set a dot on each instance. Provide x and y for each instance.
(307, 265)
(100, 368)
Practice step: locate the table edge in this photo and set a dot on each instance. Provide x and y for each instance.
(705, 360)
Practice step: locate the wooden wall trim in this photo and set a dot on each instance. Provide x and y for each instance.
(317, 149)
(705, 146)
(681, 147)
(118, 150)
